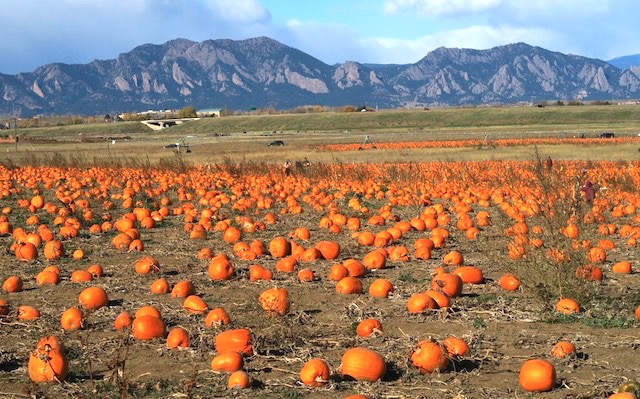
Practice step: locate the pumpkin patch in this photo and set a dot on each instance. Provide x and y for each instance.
(283, 283)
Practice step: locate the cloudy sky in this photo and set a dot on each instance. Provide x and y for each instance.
(38, 32)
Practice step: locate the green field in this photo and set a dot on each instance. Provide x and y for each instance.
(244, 138)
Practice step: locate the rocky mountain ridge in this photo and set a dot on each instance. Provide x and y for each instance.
(261, 72)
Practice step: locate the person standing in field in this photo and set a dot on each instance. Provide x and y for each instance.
(589, 189)
(287, 167)
(549, 163)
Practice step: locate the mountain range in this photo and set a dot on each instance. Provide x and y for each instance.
(261, 72)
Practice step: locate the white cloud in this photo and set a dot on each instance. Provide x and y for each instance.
(241, 11)
(390, 50)
(439, 7)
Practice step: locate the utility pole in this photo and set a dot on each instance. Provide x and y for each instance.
(15, 131)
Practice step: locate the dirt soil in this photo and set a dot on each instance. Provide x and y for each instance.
(503, 329)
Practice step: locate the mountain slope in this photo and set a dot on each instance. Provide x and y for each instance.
(261, 72)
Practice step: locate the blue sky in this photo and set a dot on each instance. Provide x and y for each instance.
(38, 32)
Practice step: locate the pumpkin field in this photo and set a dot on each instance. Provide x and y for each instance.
(400, 270)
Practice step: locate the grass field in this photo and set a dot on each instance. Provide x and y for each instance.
(244, 138)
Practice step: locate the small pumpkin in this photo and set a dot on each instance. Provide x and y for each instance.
(315, 373)
(229, 362)
(509, 282)
(420, 302)
(275, 301)
(122, 321)
(368, 327)
(183, 289)
(563, 349)
(26, 312)
(429, 357)
(220, 268)
(279, 247)
(217, 317)
(257, 273)
(456, 347)
(567, 306)
(146, 265)
(239, 380)
(195, 304)
(469, 274)
(159, 286)
(178, 337)
(72, 319)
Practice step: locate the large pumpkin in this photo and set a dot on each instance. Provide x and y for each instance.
(362, 364)
(147, 327)
(238, 340)
(537, 375)
(48, 362)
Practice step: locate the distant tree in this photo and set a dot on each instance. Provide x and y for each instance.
(187, 112)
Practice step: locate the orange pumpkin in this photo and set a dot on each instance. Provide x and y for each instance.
(567, 306)
(622, 267)
(195, 304)
(12, 284)
(537, 375)
(26, 312)
(368, 327)
(275, 301)
(183, 289)
(362, 364)
(147, 327)
(53, 250)
(563, 349)
(469, 274)
(257, 273)
(455, 346)
(159, 286)
(448, 283)
(72, 319)
(238, 340)
(315, 373)
(328, 249)
(26, 251)
(178, 337)
(220, 268)
(380, 288)
(420, 302)
(217, 317)
(279, 247)
(349, 285)
(146, 265)
(81, 276)
(123, 320)
(429, 357)
(48, 362)
(239, 380)
(93, 298)
(509, 282)
(228, 361)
